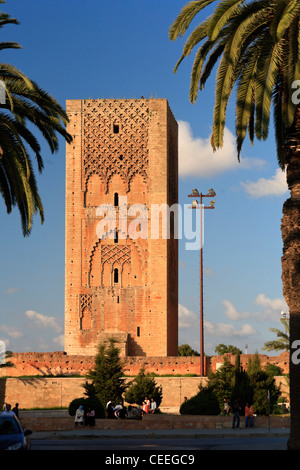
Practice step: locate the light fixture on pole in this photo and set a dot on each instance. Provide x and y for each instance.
(199, 205)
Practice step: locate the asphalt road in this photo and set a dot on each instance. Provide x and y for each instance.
(161, 444)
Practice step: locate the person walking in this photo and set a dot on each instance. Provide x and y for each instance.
(236, 414)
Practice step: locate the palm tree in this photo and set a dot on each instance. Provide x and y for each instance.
(283, 340)
(255, 45)
(25, 103)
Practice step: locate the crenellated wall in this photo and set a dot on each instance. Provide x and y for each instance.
(60, 364)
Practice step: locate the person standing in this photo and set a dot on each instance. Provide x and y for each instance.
(16, 410)
(236, 414)
(249, 415)
(226, 408)
(90, 417)
(8, 411)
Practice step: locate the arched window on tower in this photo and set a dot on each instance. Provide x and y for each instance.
(116, 275)
(116, 199)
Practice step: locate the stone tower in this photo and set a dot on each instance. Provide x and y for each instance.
(120, 281)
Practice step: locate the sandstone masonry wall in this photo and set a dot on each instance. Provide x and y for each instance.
(60, 363)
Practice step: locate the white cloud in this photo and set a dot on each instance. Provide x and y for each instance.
(227, 330)
(232, 313)
(43, 321)
(189, 330)
(272, 308)
(274, 186)
(186, 318)
(10, 331)
(59, 340)
(197, 158)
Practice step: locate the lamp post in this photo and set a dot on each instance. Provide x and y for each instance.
(285, 316)
(196, 205)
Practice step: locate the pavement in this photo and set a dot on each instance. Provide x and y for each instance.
(161, 433)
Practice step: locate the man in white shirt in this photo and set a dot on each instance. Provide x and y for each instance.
(153, 406)
(8, 411)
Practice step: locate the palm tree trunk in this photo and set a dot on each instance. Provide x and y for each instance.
(290, 230)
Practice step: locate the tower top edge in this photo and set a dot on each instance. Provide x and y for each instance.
(116, 100)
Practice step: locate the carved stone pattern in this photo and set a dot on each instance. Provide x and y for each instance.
(124, 153)
(85, 302)
(115, 253)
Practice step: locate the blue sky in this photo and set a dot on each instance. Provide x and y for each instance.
(84, 49)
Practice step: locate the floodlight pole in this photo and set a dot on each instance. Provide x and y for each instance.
(201, 207)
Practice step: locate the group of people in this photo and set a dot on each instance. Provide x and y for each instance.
(236, 409)
(115, 412)
(121, 412)
(149, 406)
(8, 411)
(84, 418)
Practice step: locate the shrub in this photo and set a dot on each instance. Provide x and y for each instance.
(90, 402)
(204, 403)
(142, 386)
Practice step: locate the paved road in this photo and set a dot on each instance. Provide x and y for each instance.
(162, 444)
(160, 440)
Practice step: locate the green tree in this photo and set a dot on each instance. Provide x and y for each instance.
(256, 47)
(107, 378)
(26, 105)
(89, 402)
(242, 389)
(204, 403)
(273, 370)
(142, 386)
(186, 350)
(222, 381)
(224, 349)
(283, 339)
(254, 364)
(232, 382)
(261, 382)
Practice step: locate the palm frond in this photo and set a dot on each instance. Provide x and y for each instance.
(199, 33)
(197, 69)
(256, 45)
(185, 17)
(289, 14)
(269, 64)
(26, 103)
(222, 15)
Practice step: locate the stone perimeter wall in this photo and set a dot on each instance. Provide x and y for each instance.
(58, 392)
(35, 380)
(43, 392)
(149, 422)
(59, 363)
